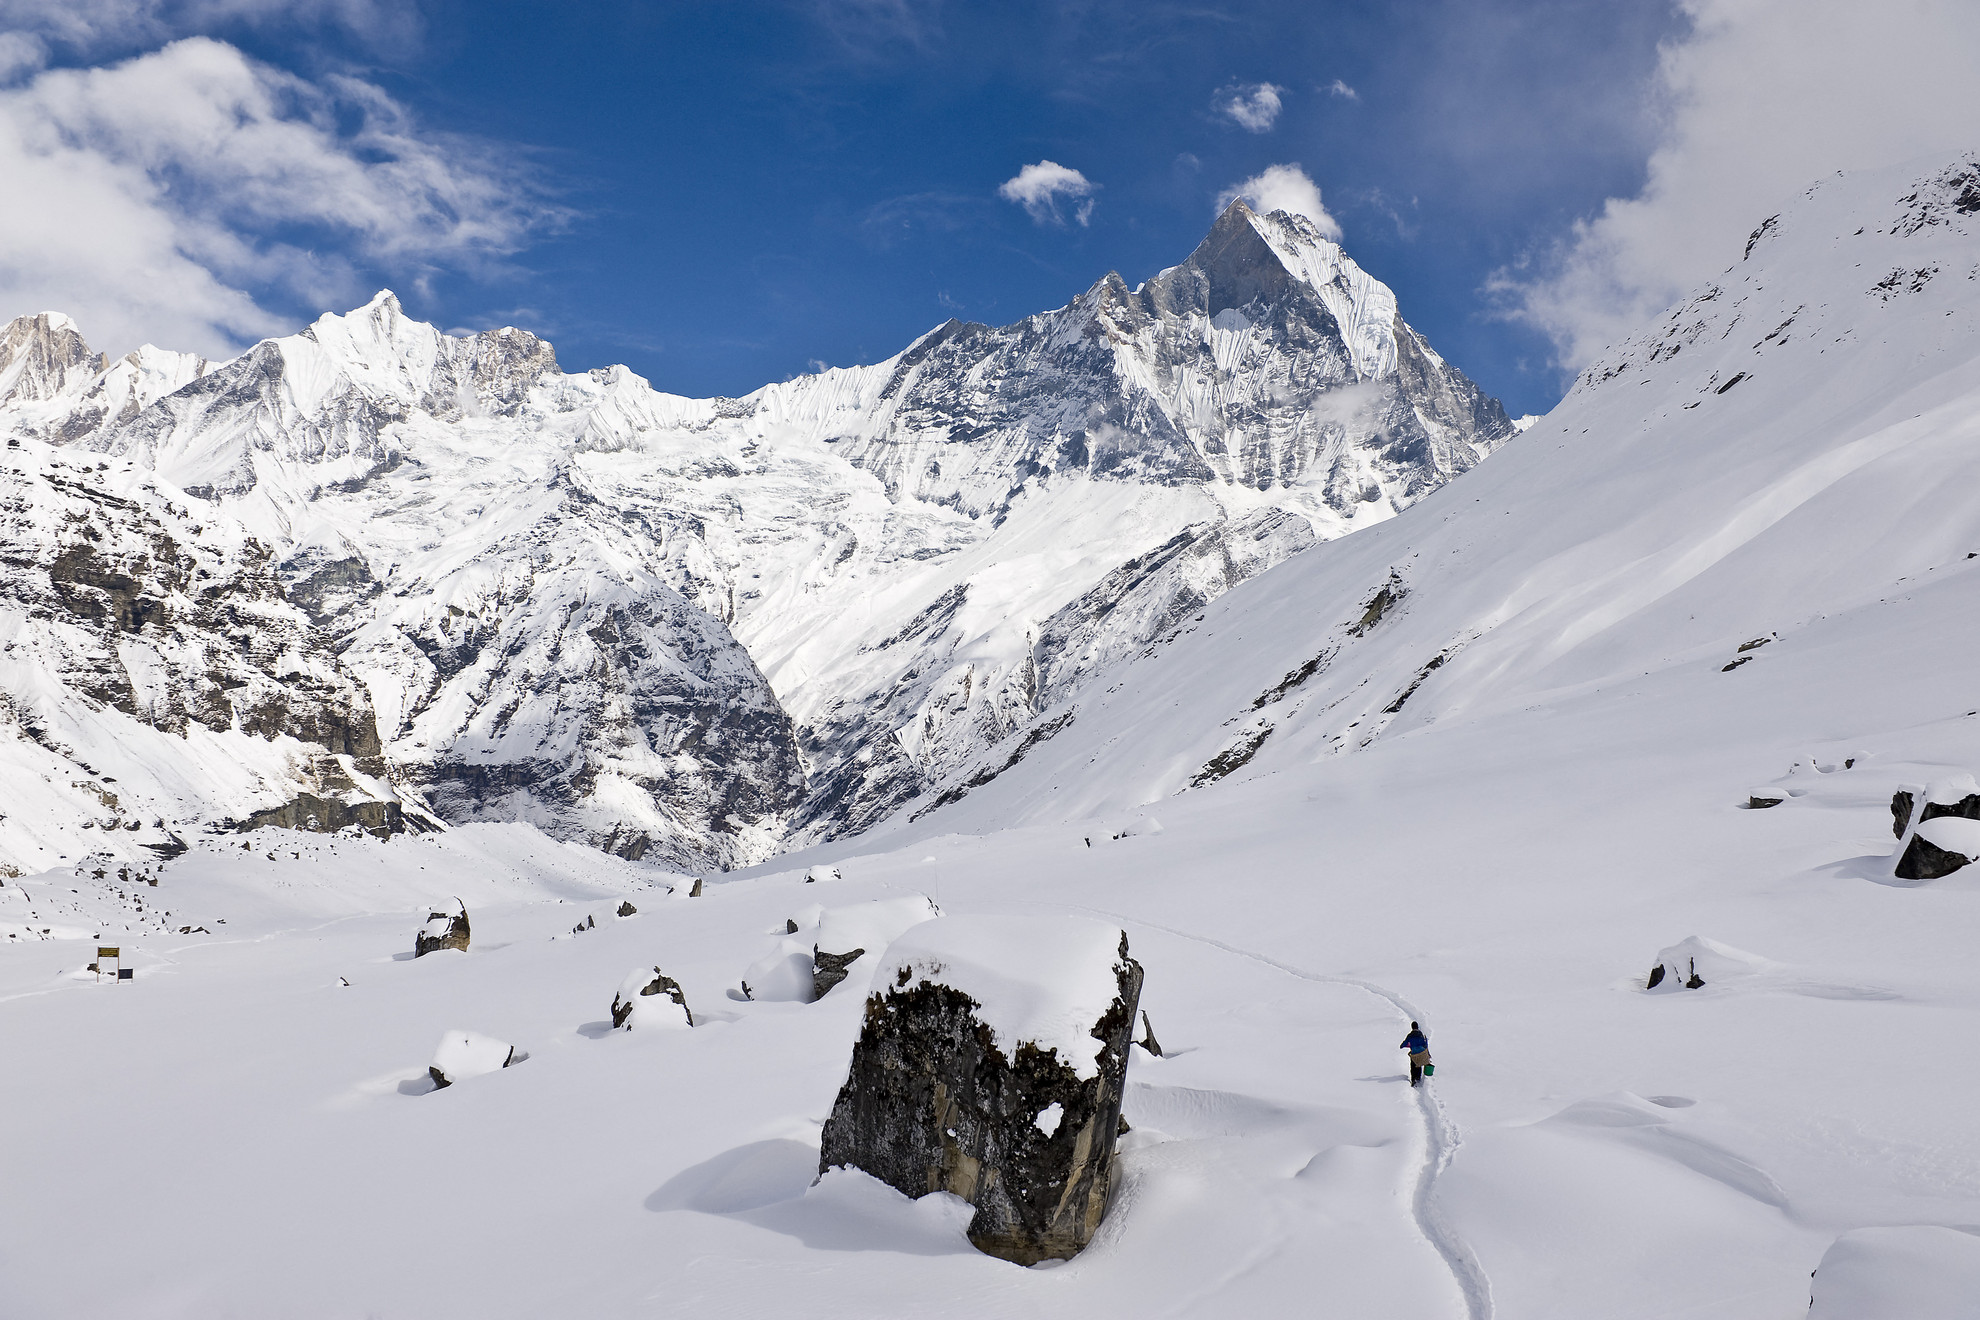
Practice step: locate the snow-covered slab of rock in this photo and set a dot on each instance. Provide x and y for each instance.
(991, 1066)
(464, 1054)
(1695, 962)
(650, 998)
(845, 934)
(1918, 1272)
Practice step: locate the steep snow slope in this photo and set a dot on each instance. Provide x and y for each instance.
(707, 628)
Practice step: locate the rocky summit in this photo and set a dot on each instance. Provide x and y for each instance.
(397, 576)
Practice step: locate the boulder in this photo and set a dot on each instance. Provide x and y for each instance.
(650, 999)
(991, 1065)
(1759, 799)
(626, 909)
(464, 1054)
(1938, 847)
(1937, 826)
(443, 930)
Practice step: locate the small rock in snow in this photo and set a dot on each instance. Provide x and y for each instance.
(443, 930)
(464, 1054)
(650, 999)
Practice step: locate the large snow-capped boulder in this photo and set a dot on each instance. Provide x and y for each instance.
(443, 930)
(650, 998)
(464, 1054)
(1918, 1272)
(991, 1066)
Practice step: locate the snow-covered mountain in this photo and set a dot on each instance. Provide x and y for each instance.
(1481, 767)
(1763, 476)
(708, 629)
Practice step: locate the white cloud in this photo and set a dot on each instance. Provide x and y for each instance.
(1758, 100)
(1254, 107)
(1038, 188)
(1283, 188)
(1342, 90)
(169, 196)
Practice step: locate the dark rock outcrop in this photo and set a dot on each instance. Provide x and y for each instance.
(1925, 860)
(828, 969)
(443, 930)
(933, 1104)
(306, 811)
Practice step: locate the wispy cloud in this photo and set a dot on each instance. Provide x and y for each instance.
(1342, 90)
(175, 193)
(1283, 188)
(1253, 107)
(1038, 188)
(893, 218)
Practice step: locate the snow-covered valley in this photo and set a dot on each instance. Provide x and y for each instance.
(1482, 764)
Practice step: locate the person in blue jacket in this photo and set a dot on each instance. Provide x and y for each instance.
(1418, 1046)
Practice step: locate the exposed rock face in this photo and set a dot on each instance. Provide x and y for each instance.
(324, 815)
(947, 1093)
(653, 985)
(443, 930)
(160, 643)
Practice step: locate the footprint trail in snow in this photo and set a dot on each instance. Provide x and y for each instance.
(1441, 1137)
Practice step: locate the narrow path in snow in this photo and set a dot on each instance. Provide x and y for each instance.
(1441, 1136)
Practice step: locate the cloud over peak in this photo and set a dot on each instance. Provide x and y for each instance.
(1757, 100)
(1038, 188)
(1253, 107)
(1283, 188)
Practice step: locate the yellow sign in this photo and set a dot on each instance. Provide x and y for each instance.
(107, 951)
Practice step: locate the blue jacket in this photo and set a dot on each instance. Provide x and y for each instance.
(1416, 1042)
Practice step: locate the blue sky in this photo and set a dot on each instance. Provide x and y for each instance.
(724, 194)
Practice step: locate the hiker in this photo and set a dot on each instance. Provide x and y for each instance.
(1418, 1046)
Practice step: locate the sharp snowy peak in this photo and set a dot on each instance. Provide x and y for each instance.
(708, 629)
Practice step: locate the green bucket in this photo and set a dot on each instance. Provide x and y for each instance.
(1429, 1070)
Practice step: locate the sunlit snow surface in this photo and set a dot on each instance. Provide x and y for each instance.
(1499, 846)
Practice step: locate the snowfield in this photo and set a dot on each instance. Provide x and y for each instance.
(1483, 766)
